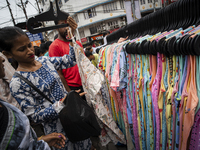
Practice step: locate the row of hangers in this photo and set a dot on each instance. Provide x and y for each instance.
(180, 14)
(182, 42)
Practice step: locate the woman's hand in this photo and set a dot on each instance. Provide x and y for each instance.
(81, 94)
(122, 39)
(56, 140)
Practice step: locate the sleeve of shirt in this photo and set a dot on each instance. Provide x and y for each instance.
(79, 43)
(64, 62)
(27, 101)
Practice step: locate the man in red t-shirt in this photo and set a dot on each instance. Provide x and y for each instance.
(70, 76)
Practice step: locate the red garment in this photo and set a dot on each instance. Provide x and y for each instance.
(59, 48)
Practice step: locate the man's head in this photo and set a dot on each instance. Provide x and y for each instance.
(89, 48)
(62, 32)
(89, 55)
(97, 50)
(106, 33)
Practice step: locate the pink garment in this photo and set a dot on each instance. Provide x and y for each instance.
(191, 104)
(109, 59)
(195, 135)
(110, 63)
(115, 80)
(155, 92)
(175, 90)
(132, 103)
(184, 94)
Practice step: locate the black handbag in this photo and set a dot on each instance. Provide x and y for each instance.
(77, 117)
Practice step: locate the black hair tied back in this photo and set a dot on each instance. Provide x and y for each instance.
(8, 36)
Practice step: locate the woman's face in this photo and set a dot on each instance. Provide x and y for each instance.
(22, 50)
(2, 71)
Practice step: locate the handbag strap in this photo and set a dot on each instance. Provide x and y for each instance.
(33, 86)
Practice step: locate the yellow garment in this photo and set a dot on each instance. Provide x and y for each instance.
(95, 61)
(141, 93)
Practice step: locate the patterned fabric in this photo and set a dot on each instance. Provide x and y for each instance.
(155, 87)
(183, 100)
(164, 125)
(198, 81)
(22, 137)
(93, 81)
(191, 104)
(4, 89)
(47, 80)
(175, 90)
(195, 135)
(182, 72)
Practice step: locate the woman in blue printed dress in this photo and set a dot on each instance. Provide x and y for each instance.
(42, 72)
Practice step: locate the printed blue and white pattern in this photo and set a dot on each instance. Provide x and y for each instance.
(19, 134)
(47, 80)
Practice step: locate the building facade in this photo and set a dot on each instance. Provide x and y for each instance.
(95, 16)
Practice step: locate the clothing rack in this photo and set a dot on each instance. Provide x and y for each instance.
(180, 14)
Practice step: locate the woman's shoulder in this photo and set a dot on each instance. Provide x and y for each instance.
(42, 59)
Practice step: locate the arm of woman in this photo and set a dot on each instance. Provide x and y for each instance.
(56, 140)
(37, 110)
(64, 62)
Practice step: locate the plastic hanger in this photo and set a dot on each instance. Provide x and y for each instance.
(47, 16)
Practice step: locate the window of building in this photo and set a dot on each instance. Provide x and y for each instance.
(66, 1)
(90, 13)
(94, 29)
(122, 4)
(149, 1)
(142, 2)
(112, 23)
(75, 17)
(82, 34)
(110, 7)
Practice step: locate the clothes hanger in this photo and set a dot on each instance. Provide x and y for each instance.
(47, 16)
(196, 45)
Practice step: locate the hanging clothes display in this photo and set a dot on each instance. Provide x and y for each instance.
(154, 92)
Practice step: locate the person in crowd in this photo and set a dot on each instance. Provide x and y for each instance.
(97, 44)
(91, 46)
(92, 57)
(70, 76)
(23, 136)
(6, 95)
(105, 34)
(45, 48)
(37, 51)
(97, 50)
(89, 49)
(42, 72)
(5, 81)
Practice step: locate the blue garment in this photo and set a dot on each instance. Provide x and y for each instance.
(21, 136)
(140, 113)
(146, 81)
(47, 80)
(183, 74)
(46, 54)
